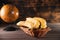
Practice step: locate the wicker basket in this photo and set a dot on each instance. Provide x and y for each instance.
(36, 32)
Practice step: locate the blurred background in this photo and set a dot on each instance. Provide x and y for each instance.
(47, 9)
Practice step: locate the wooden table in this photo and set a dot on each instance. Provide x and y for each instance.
(20, 35)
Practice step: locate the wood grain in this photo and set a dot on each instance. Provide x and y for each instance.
(20, 35)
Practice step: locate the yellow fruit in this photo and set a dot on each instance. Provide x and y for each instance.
(35, 23)
(9, 13)
(28, 24)
(25, 23)
(42, 21)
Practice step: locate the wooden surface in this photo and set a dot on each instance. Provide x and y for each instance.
(20, 35)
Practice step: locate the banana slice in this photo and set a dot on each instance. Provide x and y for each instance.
(43, 22)
(35, 23)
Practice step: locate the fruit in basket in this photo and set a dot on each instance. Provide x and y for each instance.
(9, 13)
(35, 26)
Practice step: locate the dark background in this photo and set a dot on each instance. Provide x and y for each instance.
(47, 9)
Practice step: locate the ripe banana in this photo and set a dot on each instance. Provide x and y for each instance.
(35, 23)
(32, 23)
(43, 22)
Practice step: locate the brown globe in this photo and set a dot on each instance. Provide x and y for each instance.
(9, 13)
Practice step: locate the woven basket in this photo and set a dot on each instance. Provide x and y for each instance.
(37, 32)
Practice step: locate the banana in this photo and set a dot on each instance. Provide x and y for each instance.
(28, 24)
(34, 22)
(43, 22)
(25, 23)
